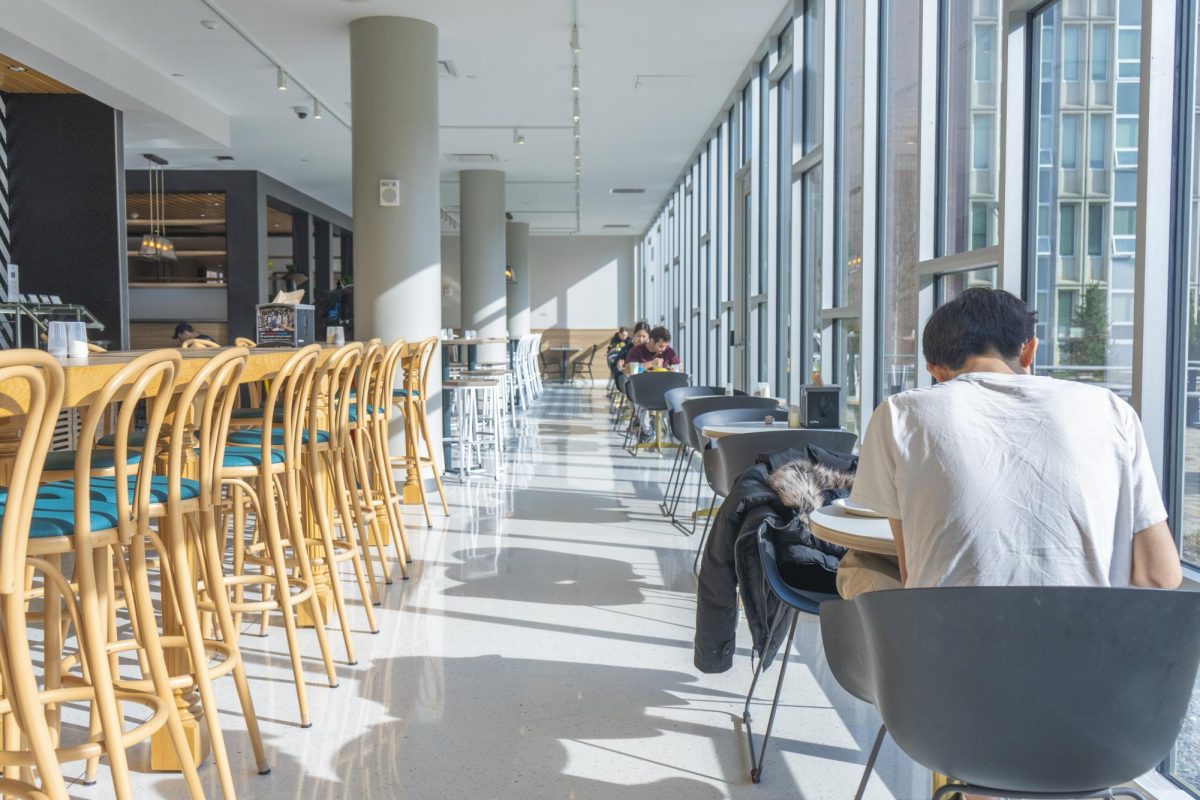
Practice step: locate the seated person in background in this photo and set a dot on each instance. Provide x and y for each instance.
(619, 338)
(997, 477)
(641, 335)
(185, 331)
(654, 354)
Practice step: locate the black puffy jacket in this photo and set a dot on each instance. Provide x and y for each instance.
(731, 562)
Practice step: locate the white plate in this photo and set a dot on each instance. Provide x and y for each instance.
(857, 510)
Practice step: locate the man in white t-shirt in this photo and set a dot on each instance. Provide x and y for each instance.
(996, 477)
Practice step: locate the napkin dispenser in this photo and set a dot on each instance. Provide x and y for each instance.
(821, 406)
(285, 324)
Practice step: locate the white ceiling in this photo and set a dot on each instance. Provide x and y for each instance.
(514, 68)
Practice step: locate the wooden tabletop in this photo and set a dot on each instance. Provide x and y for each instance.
(868, 534)
(86, 376)
(752, 426)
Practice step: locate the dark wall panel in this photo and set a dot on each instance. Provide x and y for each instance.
(68, 203)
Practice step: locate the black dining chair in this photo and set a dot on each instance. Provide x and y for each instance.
(583, 364)
(550, 367)
(1023, 691)
(794, 602)
(728, 457)
(648, 390)
(675, 399)
(695, 406)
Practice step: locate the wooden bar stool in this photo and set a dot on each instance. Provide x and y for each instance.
(331, 409)
(33, 384)
(261, 469)
(411, 400)
(369, 473)
(102, 521)
(382, 387)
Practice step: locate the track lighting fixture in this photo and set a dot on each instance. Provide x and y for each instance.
(280, 79)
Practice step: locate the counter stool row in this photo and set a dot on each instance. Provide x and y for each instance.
(146, 526)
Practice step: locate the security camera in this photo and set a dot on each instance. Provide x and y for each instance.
(301, 112)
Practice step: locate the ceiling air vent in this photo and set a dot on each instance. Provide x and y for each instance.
(614, 227)
(446, 69)
(626, 191)
(224, 158)
(471, 158)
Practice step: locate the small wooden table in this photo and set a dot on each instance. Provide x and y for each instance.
(751, 426)
(563, 352)
(836, 525)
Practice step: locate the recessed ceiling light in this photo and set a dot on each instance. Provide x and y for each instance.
(17, 68)
(211, 24)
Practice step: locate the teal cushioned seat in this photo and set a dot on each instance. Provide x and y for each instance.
(54, 511)
(404, 393)
(64, 460)
(136, 439)
(248, 457)
(354, 412)
(104, 490)
(254, 436)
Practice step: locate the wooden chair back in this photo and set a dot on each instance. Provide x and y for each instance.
(31, 388)
(199, 343)
(329, 408)
(242, 341)
(290, 391)
(204, 407)
(427, 348)
(150, 380)
(392, 358)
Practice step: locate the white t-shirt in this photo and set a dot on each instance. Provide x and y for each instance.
(1011, 480)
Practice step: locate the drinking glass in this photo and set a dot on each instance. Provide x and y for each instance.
(57, 337)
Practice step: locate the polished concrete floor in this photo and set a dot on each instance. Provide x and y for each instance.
(543, 649)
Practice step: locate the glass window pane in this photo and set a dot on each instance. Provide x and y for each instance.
(847, 289)
(814, 71)
(1075, 306)
(1184, 765)
(1095, 230)
(783, 242)
(1070, 141)
(1101, 52)
(1072, 47)
(764, 132)
(848, 371)
(811, 239)
(899, 196)
(969, 124)
(1098, 141)
(952, 285)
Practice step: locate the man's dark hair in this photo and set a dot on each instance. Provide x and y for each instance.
(641, 326)
(660, 334)
(979, 322)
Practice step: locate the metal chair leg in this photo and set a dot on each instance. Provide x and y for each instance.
(866, 778)
(756, 770)
(703, 536)
(668, 490)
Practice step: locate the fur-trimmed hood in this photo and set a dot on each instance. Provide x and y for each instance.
(801, 484)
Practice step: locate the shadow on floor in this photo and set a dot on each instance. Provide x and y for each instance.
(494, 727)
(549, 505)
(546, 576)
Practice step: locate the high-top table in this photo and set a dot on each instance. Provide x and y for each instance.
(472, 346)
(836, 525)
(84, 378)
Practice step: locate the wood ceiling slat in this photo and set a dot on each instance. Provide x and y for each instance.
(181, 205)
(29, 81)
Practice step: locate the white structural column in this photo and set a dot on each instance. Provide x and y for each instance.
(397, 231)
(517, 246)
(482, 240)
